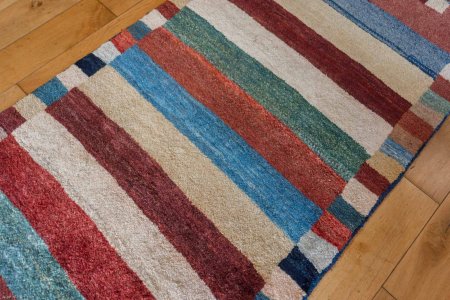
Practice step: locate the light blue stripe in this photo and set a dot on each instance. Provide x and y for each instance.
(397, 152)
(412, 46)
(26, 265)
(279, 200)
(435, 102)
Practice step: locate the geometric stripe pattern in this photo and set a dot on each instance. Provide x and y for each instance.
(225, 149)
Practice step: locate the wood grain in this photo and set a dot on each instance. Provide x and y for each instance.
(5, 3)
(376, 249)
(424, 272)
(10, 96)
(54, 37)
(383, 295)
(22, 17)
(431, 170)
(118, 7)
(86, 46)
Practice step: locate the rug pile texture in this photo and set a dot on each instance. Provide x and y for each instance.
(222, 149)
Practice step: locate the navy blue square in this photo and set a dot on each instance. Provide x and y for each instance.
(90, 64)
(299, 268)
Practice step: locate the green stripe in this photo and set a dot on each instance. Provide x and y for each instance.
(435, 102)
(26, 264)
(333, 145)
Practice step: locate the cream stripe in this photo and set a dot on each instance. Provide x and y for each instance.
(154, 19)
(234, 214)
(282, 287)
(137, 240)
(29, 106)
(446, 72)
(362, 124)
(395, 71)
(358, 196)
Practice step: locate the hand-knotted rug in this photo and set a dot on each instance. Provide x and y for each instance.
(226, 149)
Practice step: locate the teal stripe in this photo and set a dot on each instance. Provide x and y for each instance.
(26, 265)
(333, 145)
(435, 102)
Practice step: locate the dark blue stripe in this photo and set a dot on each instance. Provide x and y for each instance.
(409, 44)
(276, 197)
(90, 64)
(299, 268)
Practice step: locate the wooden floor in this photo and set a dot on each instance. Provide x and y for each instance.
(404, 250)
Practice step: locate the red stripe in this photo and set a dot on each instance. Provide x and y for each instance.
(123, 41)
(416, 126)
(372, 180)
(423, 19)
(10, 119)
(332, 230)
(441, 87)
(168, 9)
(224, 269)
(72, 237)
(5, 292)
(267, 135)
(347, 73)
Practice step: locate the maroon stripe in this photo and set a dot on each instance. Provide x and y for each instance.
(261, 130)
(332, 230)
(416, 126)
(10, 119)
(72, 237)
(372, 180)
(223, 268)
(441, 87)
(168, 9)
(347, 73)
(5, 292)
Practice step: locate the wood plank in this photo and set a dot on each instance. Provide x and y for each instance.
(383, 295)
(118, 7)
(86, 46)
(22, 17)
(54, 37)
(10, 96)
(431, 170)
(424, 272)
(5, 3)
(378, 247)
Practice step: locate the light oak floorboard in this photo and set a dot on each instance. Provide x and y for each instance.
(86, 46)
(424, 272)
(118, 7)
(22, 17)
(377, 248)
(383, 295)
(10, 96)
(431, 170)
(54, 37)
(5, 3)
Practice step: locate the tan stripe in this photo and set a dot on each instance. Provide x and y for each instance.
(234, 214)
(406, 139)
(282, 287)
(427, 114)
(395, 71)
(29, 106)
(358, 196)
(180, 3)
(386, 166)
(137, 240)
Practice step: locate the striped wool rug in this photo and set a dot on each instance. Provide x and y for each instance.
(226, 149)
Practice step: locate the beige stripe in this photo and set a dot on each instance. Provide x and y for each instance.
(234, 214)
(137, 240)
(282, 287)
(366, 127)
(395, 71)
(429, 115)
(358, 196)
(386, 166)
(445, 72)
(29, 106)
(154, 19)
(180, 3)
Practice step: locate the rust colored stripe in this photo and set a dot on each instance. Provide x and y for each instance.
(347, 73)
(429, 23)
(416, 126)
(168, 9)
(261, 130)
(372, 180)
(441, 87)
(228, 273)
(10, 119)
(5, 292)
(72, 237)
